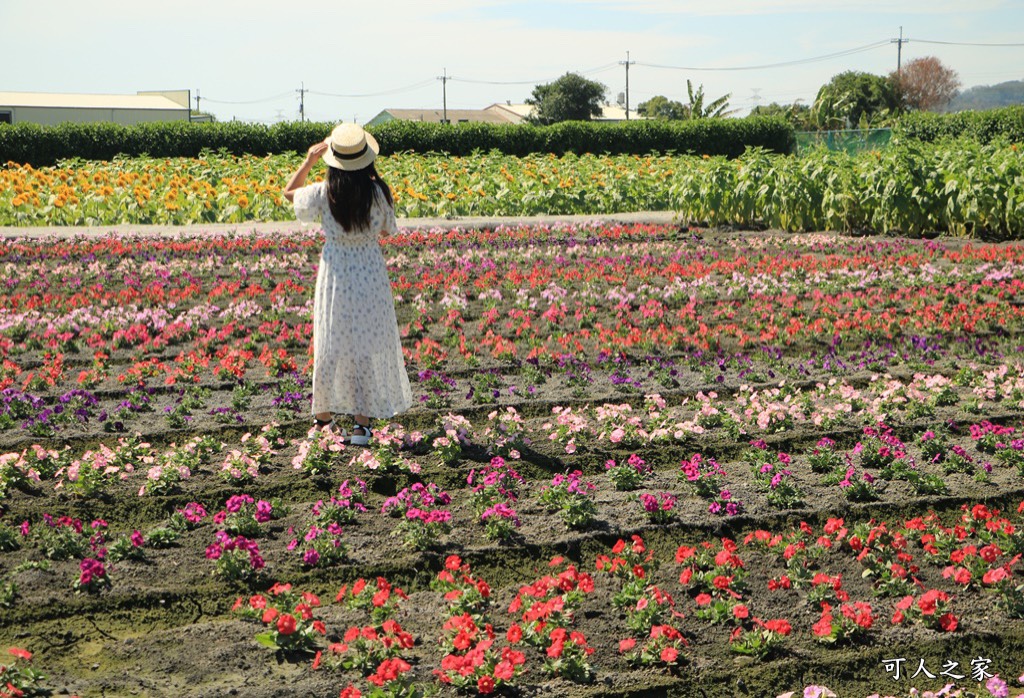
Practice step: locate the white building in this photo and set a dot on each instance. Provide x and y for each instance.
(49, 109)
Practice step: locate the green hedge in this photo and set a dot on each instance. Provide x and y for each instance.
(981, 126)
(45, 145)
(729, 137)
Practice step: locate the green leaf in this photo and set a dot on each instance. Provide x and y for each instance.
(267, 640)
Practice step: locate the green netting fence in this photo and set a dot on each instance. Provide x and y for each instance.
(851, 140)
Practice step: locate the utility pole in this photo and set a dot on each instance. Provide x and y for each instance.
(899, 49)
(302, 101)
(197, 100)
(627, 63)
(444, 96)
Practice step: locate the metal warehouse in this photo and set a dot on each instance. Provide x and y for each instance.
(49, 109)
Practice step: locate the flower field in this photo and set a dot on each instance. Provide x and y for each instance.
(645, 460)
(912, 188)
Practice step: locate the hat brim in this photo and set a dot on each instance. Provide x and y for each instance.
(363, 161)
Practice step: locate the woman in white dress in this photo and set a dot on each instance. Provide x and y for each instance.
(358, 367)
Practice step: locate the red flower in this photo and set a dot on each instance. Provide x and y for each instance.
(258, 601)
(823, 628)
(627, 644)
(483, 588)
(504, 670)
(686, 575)
(270, 614)
(20, 653)
(514, 634)
(669, 655)
(948, 622)
(316, 660)
(350, 691)
(485, 684)
(286, 624)
(452, 562)
(740, 611)
(318, 625)
(703, 599)
(780, 626)
(722, 582)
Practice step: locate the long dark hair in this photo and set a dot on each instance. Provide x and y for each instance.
(350, 194)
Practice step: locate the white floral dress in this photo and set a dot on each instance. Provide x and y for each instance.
(358, 367)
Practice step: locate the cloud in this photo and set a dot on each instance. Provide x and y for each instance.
(725, 8)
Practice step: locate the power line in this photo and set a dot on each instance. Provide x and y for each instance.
(838, 54)
(397, 90)
(959, 43)
(253, 101)
(591, 71)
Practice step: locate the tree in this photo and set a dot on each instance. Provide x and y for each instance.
(661, 107)
(797, 114)
(696, 109)
(569, 98)
(925, 84)
(855, 100)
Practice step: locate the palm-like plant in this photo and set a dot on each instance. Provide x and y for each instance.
(715, 109)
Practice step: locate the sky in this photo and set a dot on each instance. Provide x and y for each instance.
(249, 59)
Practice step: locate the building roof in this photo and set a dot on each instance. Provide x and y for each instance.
(89, 101)
(438, 115)
(609, 112)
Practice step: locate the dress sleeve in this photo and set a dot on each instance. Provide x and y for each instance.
(309, 202)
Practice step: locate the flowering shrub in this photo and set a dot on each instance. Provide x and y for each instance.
(825, 457)
(92, 576)
(665, 646)
(243, 516)
(760, 640)
(321, 547)
(452, 433)
(567, 428)
(131, 547)
(423, 521)
(572, 498)
(287, 617)
(164, 479)
(629, 475)
(319, 452)
(704, 475)
(505, 433)
(381, 600)
(851, 623)
(660, 508)
(932, 608)
(631, 563)
(343, 508)
(189, 517)
(235, 559)
(65, 538)
(465, 594)
(16, 677)
(774, 478)
(482, 668)
(365, 648)
(718, 571)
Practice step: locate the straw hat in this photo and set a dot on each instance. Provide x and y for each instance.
(349, 147)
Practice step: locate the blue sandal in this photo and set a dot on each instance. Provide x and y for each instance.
(360, 439)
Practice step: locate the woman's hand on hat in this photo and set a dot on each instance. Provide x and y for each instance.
(316, 151)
